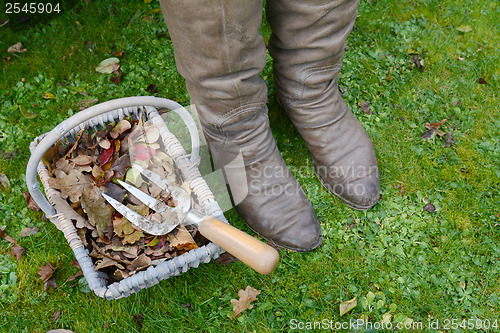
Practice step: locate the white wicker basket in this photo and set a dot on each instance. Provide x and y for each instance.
(98, 115)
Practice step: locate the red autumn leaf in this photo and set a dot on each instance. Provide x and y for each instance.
(143, 152)
(107, 155)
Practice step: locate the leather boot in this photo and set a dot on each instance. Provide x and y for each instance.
(220, 53)
(307, 45)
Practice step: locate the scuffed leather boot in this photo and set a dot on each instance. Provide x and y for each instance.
(307, 46)
(220, 53)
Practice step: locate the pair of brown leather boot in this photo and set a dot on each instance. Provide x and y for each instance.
(220, 53)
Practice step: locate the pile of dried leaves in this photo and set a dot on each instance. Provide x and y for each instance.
(87, 166)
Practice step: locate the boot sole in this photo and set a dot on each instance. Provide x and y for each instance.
(291, 248)
(348, 203)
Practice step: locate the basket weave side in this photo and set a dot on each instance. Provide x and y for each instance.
(154, 274)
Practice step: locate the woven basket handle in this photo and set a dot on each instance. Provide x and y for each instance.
(60, 130)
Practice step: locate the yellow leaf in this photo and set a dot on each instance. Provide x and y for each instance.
(464, 28)
(153, 242)
(348, 305)
(27, 114)
(147, 1)
(48, 95)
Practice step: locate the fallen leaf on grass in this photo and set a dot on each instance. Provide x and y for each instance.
(348, 305)
(30, 202)
(118, 76)
(139, 319)
(365, 107)
(56, 315)
(247, 296)
(482, 81)
(48, 95)
(74, 276)
(418, 61)
(464, 28)
(26, 114)
(449, 139)
(4, 235)
(16, 48)
(86, 103)
(433, 129)
(29, 231)
(152, 89)
(16, 251)
(108, 65)
(226, 259)
(46, 271)
(4, 184)
(429, 208)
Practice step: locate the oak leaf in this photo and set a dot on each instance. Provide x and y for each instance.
(247, 296)
(133, 237)
(70, 184)
(97, 209)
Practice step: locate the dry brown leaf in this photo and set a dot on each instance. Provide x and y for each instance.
(74, 276)
(139, 263)
(56, 315)
(348, 305)
(365, 107)
(122, 226)
(247, 296)
(30, 202)
(82, 160)
(50, 283)
(16, 48)
(182, 239)
(107, 262)
(46, 271)
(70, 184)
(29, 231)
(97, 209)
(133, 237)
(435, 125)
(226, 259)
(120, 128)
(4, 235)
(16, 251)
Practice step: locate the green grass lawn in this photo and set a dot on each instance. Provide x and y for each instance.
(411, 62)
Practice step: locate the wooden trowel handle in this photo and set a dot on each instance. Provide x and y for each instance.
(251, 251)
